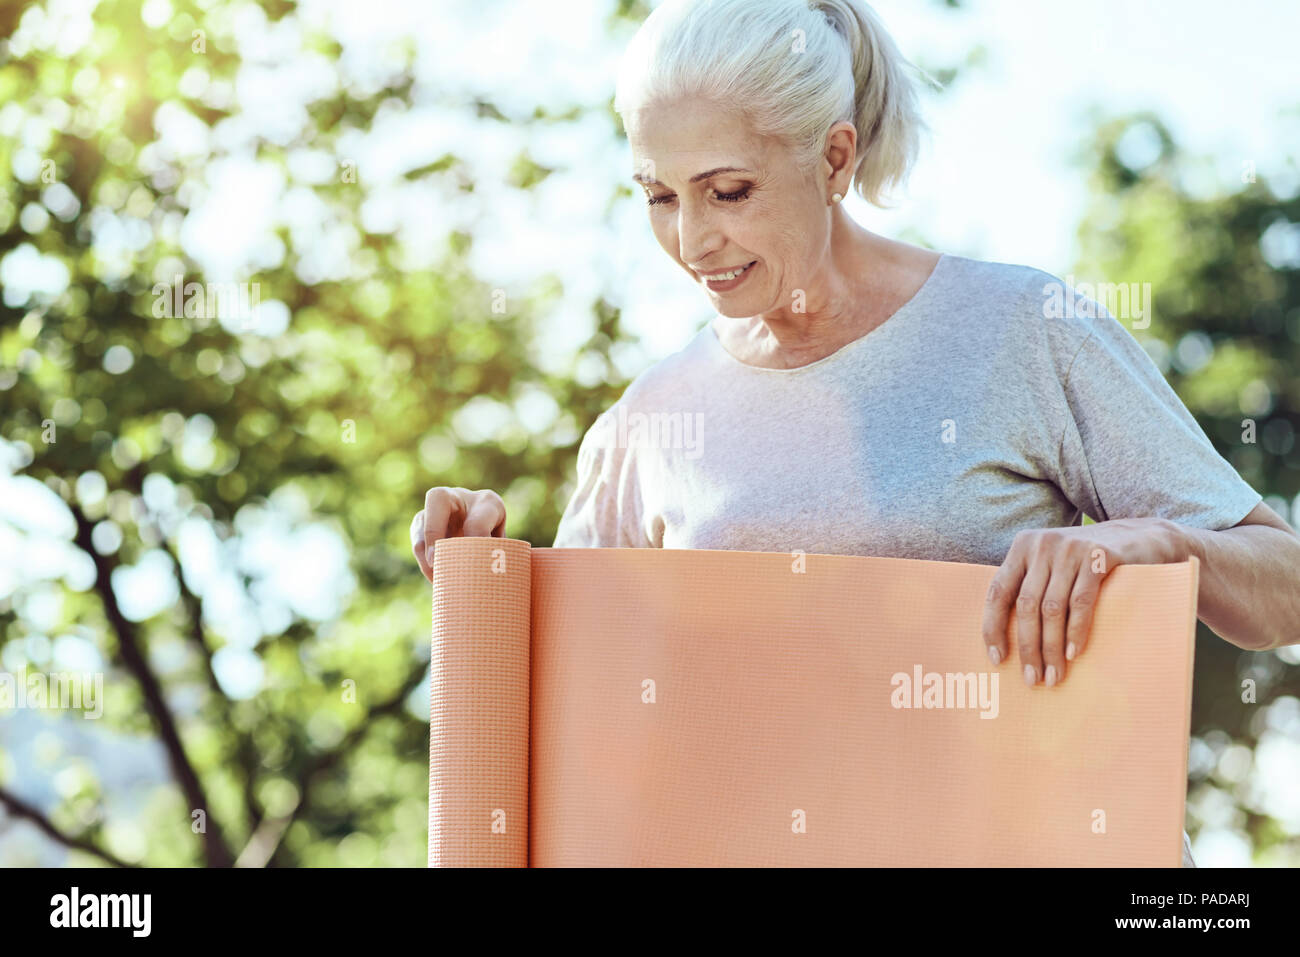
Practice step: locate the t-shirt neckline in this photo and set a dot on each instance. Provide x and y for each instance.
(905, 309)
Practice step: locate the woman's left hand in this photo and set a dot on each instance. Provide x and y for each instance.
(1053, 576)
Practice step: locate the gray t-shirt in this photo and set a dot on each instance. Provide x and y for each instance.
(975, 411)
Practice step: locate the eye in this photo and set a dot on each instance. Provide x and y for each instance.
(655, 200)
(735, 197)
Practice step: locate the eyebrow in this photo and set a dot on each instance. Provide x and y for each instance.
(694, 179)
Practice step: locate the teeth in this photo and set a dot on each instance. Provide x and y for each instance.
(724, 276)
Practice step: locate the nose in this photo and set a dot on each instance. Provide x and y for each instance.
(697, 233)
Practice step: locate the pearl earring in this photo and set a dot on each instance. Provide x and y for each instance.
(836, 197)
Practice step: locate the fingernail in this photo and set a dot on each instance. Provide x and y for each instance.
(1051, 675)
(995, 656)
(428, 555)
(1031, 675)
(1070, 651)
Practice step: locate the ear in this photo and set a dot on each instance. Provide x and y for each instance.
(840, 157)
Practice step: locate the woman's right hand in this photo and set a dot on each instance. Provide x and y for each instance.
(449, 512)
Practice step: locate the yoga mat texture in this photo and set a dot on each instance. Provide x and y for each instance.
(678, 707)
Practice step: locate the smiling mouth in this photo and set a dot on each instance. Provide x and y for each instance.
(729, 275)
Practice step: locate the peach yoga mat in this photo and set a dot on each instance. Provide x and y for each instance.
(679, 707)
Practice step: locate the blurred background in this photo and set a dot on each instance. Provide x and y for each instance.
(440, 276)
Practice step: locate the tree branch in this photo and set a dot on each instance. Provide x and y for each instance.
(245, 752)
(19, 808)
(265, 841)
(216, 851)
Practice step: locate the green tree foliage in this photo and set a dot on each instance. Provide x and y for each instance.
(1225, 328)
(349, 414)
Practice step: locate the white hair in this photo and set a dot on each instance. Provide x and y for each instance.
(793, 67)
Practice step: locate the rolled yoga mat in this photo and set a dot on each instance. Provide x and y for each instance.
(682, 707)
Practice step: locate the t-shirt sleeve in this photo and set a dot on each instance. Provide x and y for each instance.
(1131, 449)
(605, 510)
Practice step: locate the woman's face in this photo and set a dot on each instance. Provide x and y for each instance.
(721, 197)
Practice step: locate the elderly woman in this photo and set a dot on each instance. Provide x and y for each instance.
(858, 395)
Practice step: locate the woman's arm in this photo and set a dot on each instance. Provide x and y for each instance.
(1249, 580)
(1249, 591)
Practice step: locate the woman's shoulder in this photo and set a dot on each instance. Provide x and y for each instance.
(1033, 290)
(1033, 309)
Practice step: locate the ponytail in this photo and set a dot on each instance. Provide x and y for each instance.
(884, 100)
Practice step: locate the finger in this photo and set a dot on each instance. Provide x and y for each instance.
(1083, 603)
(486, 516)
(997, 606)
(417, 544)
(1029, 630)
(444, 510)
(1054, 613)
